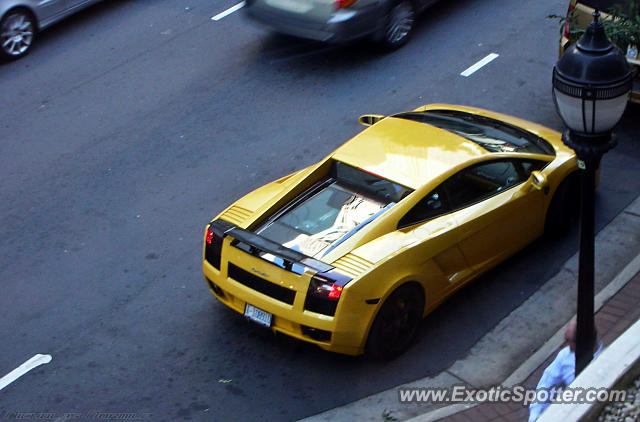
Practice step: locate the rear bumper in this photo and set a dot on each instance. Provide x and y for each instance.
(327, 332)
(343, 25)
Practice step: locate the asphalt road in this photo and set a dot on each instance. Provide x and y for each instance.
(133, 123)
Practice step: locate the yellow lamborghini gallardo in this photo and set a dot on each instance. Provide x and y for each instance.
(352, 252)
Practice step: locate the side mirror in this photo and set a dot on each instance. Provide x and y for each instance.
(539, 181)
(370, 119)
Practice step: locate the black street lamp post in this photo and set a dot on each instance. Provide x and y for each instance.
(591, 84)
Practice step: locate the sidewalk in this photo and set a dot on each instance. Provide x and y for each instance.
(618, 314)
(520, 347)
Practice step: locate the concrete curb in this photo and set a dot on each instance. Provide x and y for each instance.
(522, 373)
(531, 364)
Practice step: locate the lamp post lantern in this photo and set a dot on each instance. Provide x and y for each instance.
(591, 84)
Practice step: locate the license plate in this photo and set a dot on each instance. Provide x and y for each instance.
(257, 315)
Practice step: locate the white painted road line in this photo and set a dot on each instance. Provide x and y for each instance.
(491, 57)
(228, 11)
(34, 362)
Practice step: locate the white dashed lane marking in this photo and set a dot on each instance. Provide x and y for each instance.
(491, 57)
(228, 11)
(34, 362)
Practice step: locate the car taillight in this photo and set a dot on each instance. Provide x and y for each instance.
(325, 289)
(567, 29)
(335, 292)
(343, 4)
(213, 249)
(213, 242)
(324, 292)
(209, 236)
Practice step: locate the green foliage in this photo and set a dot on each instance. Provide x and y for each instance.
(622, 26)
(575, 32)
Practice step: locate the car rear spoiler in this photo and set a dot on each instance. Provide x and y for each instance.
(258, 244)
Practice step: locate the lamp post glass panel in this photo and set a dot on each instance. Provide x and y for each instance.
(591, 85)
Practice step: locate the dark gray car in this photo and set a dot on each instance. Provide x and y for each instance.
(389, 22)
(21, 20)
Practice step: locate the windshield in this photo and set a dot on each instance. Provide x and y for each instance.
(331, 212)
(493, 135)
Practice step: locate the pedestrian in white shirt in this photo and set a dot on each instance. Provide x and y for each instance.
(560, 373)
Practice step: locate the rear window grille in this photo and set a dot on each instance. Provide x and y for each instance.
(261, 285)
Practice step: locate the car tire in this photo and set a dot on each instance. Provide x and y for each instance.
(563, 207)
(396, 323)
(399, 25)
(17, 34)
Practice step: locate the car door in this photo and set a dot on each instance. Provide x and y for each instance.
(77, 4)
(437, 252)
(48, 9)
(497, 209)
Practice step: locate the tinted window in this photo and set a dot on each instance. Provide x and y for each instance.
(481, 181)
(530, 165)
(429, 207)
(368, 183)
(493, 135)
(470, 186)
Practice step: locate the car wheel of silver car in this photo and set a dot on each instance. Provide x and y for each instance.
(400, 23)
(396, 323)
(17, 33)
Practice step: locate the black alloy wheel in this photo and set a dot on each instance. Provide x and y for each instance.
(396, 323)
(563, 207)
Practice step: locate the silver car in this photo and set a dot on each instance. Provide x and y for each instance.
(389, 22)
(21, 20)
